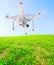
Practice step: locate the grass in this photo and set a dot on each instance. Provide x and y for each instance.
(27, 50)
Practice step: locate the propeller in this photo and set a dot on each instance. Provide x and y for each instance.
(21, 3)
(39, 13)
(7, 16)
(42, 12)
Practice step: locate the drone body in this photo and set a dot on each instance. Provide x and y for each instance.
(23, 19)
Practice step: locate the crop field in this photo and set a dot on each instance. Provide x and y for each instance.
(27, 50)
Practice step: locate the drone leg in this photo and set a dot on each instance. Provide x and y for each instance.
(25, 30)
(13, 25)
(33, 25)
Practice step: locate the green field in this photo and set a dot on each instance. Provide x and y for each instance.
(27, 50)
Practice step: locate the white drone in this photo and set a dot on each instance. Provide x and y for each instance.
(23, 18)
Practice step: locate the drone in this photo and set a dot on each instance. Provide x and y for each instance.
(23, 19)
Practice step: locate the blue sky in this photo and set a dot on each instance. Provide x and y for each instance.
(43, 25)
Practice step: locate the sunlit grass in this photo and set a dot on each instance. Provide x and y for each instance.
(27, 50)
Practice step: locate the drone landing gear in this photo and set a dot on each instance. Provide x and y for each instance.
(13, 26)
(13, 29)
(25, 33)
(32, 29)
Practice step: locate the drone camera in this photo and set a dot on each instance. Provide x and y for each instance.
(27, 25)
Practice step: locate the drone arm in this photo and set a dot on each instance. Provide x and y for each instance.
(36, 16)
(12, 17)
(9, 18)
(20, 5)
(32, 24)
